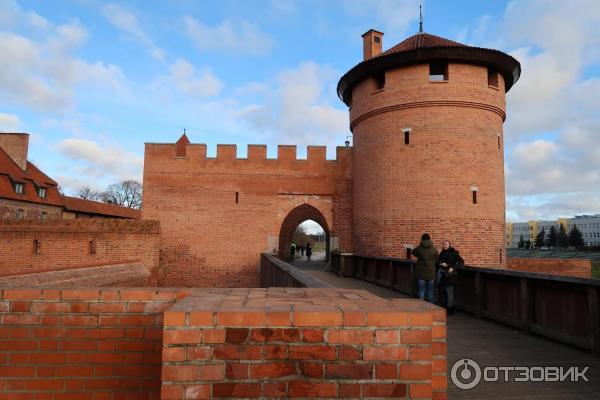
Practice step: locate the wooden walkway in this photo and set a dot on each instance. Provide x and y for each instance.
(491, 344)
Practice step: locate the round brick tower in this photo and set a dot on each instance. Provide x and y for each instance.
(426, 117)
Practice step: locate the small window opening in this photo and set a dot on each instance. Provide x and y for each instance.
(376, 39)
(18, 188)
(492, 77)
(438, 71)
(406, 136)
(474, 197)
(237, 197)
(408, 253)
(37, 246)
(380, 80)
(43, 215)
(92, 246)
(41, 192)
(20, 213)
(499, 145)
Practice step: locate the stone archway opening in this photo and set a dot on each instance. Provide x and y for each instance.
(296, 217)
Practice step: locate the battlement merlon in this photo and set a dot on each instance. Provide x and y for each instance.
(256, 152)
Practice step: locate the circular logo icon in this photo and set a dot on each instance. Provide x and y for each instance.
(465, 374)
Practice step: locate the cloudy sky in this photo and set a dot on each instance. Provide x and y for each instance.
(91, 81)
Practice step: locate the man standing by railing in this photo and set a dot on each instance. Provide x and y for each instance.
(427, 256)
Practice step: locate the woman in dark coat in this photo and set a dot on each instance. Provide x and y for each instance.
(448, 261)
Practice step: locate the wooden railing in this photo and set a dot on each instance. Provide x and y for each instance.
(559, 307)
(277, 273)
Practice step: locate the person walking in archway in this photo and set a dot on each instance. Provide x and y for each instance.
(308, 251)
(292, 251)
(427, 257)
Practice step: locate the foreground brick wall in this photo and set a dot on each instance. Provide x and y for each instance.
(81, 344)
(572, 267)
(68, 244)
(302, 343)
(218, 214)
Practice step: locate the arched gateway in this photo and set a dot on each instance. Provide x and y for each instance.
(291, 222)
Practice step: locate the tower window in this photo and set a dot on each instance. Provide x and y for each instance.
(492, 77)
(474, 190)
(438, 71)
(376, 39)
(499, 144)
(406, 135)
(380, 80)
(237, 197)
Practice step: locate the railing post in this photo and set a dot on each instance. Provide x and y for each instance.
(479, 294)
(593, 318)
(526, 304)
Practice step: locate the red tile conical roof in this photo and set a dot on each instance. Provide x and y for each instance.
(420, 41)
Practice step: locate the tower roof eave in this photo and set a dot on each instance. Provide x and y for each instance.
(508, 66)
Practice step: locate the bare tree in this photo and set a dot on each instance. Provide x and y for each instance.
(87, 193)
(126, 194)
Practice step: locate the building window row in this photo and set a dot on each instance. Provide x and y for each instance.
(19, 188)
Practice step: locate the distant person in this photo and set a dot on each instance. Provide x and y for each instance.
(301, 251)
(308, 251)
(449, 260)
(427, 257)
(292, 251)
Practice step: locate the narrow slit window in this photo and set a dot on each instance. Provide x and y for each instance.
(380, 80)
(474, 197)
(438, 71)
(92, 247)
(499, 144)
(408, 253)
(237, 197)
(37, 246)
(406, 137)
(492, 77)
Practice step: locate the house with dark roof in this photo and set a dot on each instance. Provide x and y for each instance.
(28, 193)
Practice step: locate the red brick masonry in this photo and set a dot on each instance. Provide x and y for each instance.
(302, 343)
(572, 267)
(97, 344)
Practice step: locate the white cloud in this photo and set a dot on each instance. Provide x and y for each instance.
(238, 36)
(296, 109)
(9, 122)
(95, 162)
(130, 24)
(191, 82)
(44, 75)
(396, 16)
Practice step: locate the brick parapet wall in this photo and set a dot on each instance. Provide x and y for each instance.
(569, 267)
(40, 246)
(81, 343)
(302, 343)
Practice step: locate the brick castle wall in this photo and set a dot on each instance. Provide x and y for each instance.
(62, 344)
(81, 343)
(38, 246)
(9, 208)
(218, 214)
(581, 268)
(456, 142)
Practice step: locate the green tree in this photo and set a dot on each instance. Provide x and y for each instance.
(576, 238)
(521, 242)
(540, 239)
(551, 237)
(562, 239)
